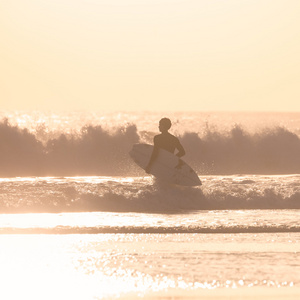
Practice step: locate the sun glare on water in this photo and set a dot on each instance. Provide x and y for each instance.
(70, 267)
(47, 267)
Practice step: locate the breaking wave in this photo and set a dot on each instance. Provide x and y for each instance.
(57, 195)
(98, 151)
(151, 230)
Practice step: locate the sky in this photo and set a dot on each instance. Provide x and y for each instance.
(145, 55)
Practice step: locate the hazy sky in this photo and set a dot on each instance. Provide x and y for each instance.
(150, 55)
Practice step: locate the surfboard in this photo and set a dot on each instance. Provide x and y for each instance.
(166, 166)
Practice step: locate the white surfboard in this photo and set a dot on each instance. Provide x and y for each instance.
(166, 166)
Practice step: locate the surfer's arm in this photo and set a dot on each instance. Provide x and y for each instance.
(179, 154)
(180, 149)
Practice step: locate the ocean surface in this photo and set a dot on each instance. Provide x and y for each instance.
(79, 220)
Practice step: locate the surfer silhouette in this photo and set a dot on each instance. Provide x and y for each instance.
(165, 141)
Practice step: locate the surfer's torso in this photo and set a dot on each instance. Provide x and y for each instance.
(167, 142)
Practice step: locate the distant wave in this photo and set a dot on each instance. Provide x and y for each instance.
(98, 151)
(93, 151)
(269, 151)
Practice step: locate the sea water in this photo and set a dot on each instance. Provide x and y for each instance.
(79, 220)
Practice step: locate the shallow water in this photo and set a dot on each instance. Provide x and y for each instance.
(111, 237)
(97, 266)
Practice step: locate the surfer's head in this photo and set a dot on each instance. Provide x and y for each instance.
(164, 124)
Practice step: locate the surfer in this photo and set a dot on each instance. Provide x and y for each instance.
(165, 141)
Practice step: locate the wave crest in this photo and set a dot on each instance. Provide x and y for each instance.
(269, 151)
(98, 151)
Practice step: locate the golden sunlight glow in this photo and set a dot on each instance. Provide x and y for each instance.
(150, 55)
